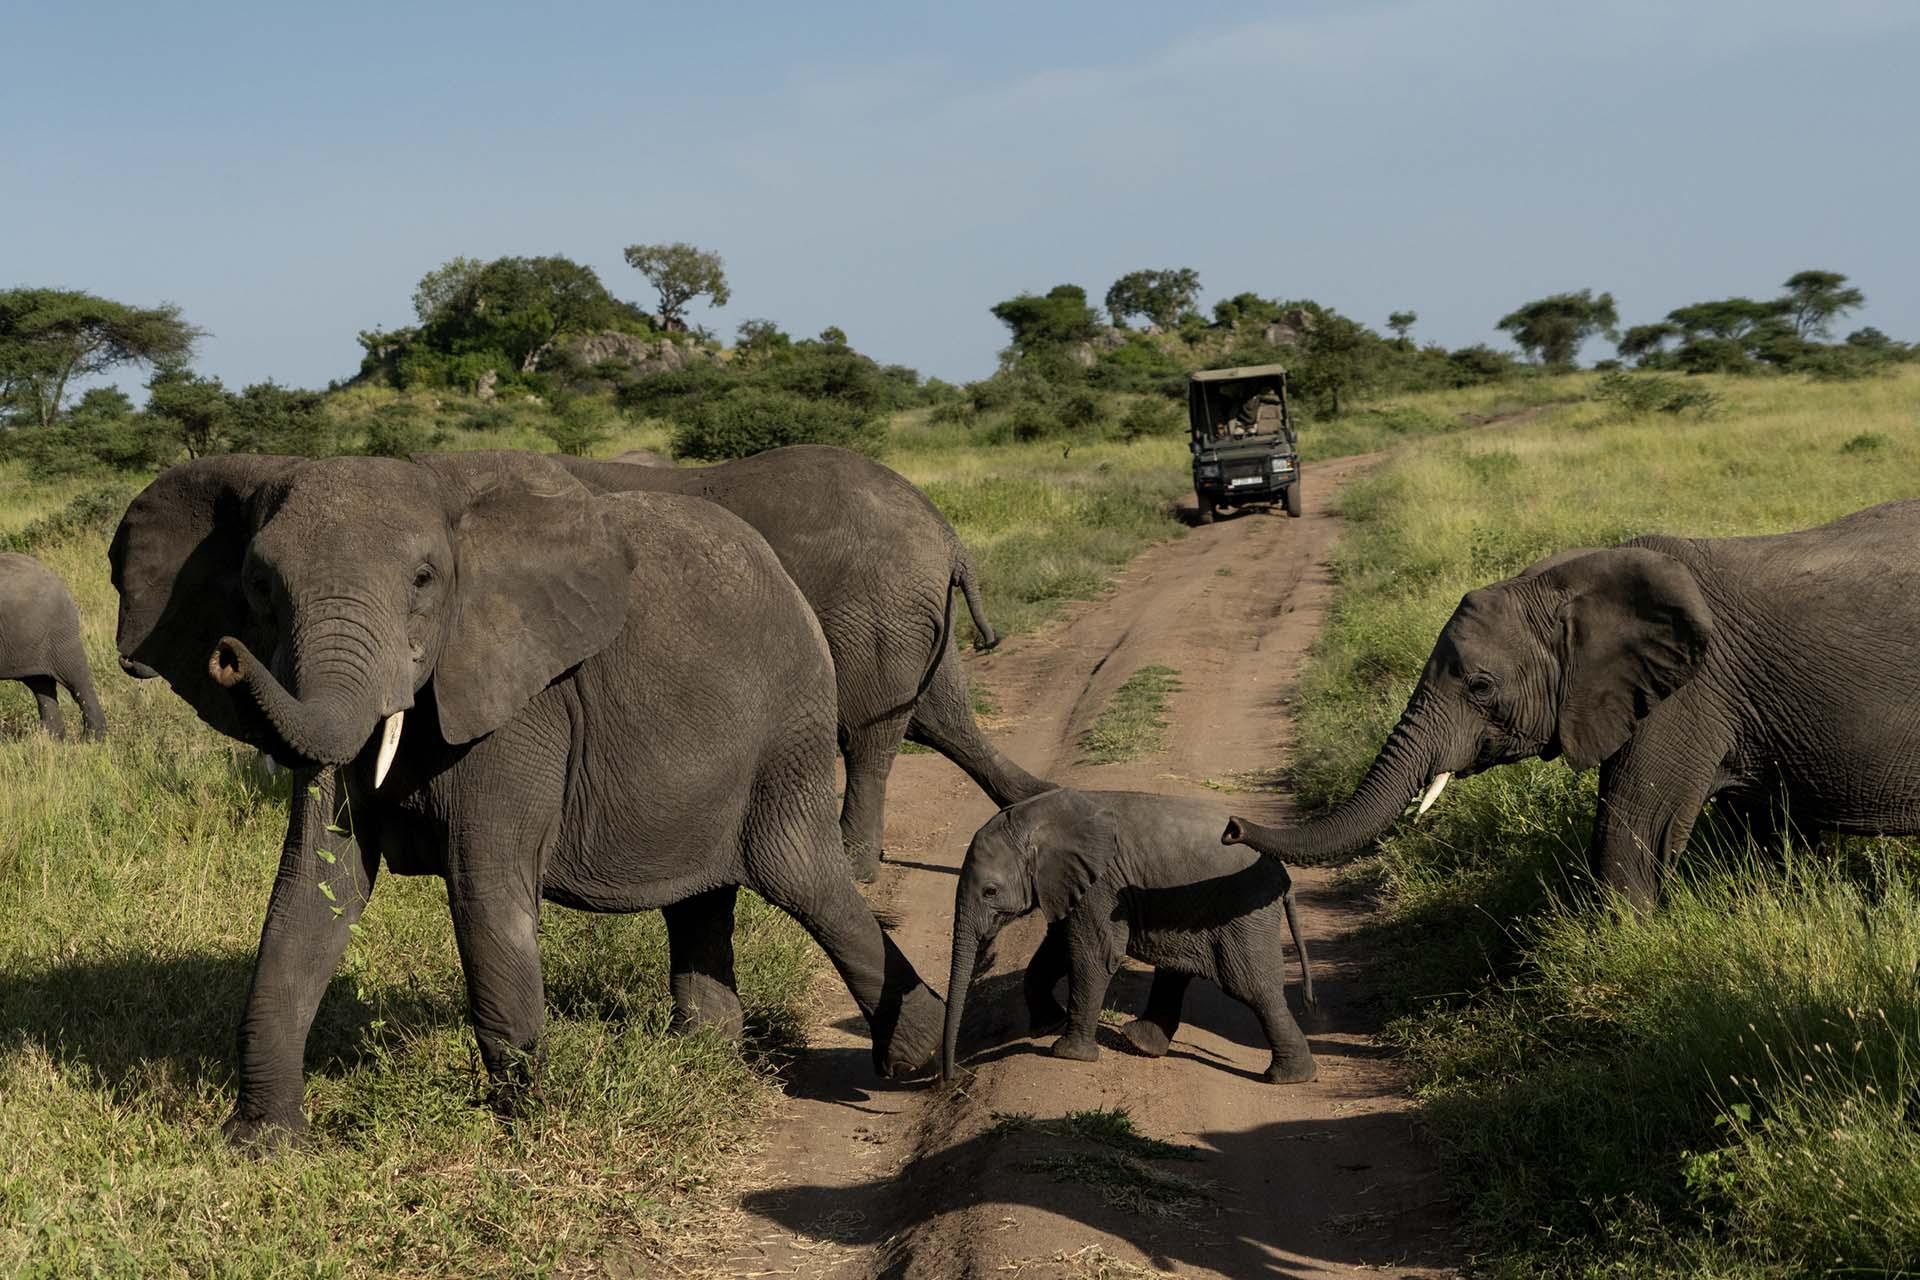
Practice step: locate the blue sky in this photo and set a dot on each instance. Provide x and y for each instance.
(895, 169)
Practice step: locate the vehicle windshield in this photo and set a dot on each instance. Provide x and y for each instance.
(1243, 410)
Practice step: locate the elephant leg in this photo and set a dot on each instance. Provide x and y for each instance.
(46, 697)
(793, 861)
(1650, 798)
(869, 752)
(1152, 1032)
(497, 929)
(1092, 961)
(700, 962)
(1292, 1061)
(1044, 971)
(305, 933)
(943, 719)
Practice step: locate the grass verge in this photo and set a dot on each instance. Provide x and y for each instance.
(1723, 1087)
(1134, 721)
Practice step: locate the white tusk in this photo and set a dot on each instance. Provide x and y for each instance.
(1432, 793)
(268, 763)
(389, 743)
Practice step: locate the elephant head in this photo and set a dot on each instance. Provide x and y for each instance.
(1563, 660)
(1019, 862)
(303, 605)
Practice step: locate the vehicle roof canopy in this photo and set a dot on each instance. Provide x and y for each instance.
(1248, 372)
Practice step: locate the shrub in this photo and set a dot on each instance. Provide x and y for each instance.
(751, 420)
(1636, 394)
(398, 429)
(94, 512)
(1150, 416)
(577, 427)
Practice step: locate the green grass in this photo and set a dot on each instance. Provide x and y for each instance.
(1134, 721)
(1722, 1087)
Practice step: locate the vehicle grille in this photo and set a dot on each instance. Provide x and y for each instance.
(1234, 470)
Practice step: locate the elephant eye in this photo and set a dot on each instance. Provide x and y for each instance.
(990, 891)
(1481, 686)
(423, 577)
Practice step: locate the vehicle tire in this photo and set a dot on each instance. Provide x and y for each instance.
(1205, 509)
(1293, 498)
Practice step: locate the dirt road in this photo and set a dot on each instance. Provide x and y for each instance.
(1325, 1179)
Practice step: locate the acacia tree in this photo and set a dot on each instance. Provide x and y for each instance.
(1161, 296)
(515, 306)
(1815, 299)
(1402, 322)
(192, 409)
(1050, 320)
(679, 272)
(50, 337)
(1551, 329)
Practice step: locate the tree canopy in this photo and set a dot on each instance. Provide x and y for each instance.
(1053, 319)
(1161, 296)
(1551, 329)
(1815, 299)
(515, 306)
(679, 272)
(51, 337)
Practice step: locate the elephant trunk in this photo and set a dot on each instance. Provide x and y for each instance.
(966, 951)
(1406, 768)
(330, 725)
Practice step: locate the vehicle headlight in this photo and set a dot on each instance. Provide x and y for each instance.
(1283, 464)
(1209, 471)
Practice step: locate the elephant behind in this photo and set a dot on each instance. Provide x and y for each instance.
(1761, 669)
(481, 670)
(878, 563)
(40, 644)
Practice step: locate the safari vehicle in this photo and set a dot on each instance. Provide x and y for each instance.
(1244, 450)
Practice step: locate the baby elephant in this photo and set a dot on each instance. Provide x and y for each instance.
(40, 643)
(1124, 873)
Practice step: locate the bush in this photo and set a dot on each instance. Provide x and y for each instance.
(398, 429)
(751, 420)
(1151, 416)
(1635, 394)
(94, 512)
(577, 427)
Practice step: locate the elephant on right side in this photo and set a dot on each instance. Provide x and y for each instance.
(1782, 669)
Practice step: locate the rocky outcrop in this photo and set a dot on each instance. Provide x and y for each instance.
(1287, 331)
(641, 355)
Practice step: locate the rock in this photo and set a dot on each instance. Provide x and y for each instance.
(484, 388)
(641, 355)
(1081, 353)
(642, 458)
(1294, 324)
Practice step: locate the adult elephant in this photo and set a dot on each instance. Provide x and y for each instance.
(482, 670)
(1771, 668)
(40, 644)
(879, 564)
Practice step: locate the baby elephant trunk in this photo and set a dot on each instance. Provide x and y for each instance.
(966, 951)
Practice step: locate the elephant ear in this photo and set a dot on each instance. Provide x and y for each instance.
(176, 561)
(1071, 853)
(1634, 627)
(543, 581)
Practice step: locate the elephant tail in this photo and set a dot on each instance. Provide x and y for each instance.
(984, 635)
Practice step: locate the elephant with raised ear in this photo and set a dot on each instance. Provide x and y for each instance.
(1784, 667)
(1128, 873)
(480, 669)
(879, 564)
(40, 644)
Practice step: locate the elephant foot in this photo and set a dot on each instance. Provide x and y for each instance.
(914, 1039)
(1147, 1038)
(1076, 1049)
(261, 1136)
(1291, 1070)
(703, 1003)
(865, 860)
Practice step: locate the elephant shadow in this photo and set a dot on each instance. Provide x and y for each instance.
(162, 1028)
(1358, 1210)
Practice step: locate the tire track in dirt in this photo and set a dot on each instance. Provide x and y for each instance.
(866, 1177)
